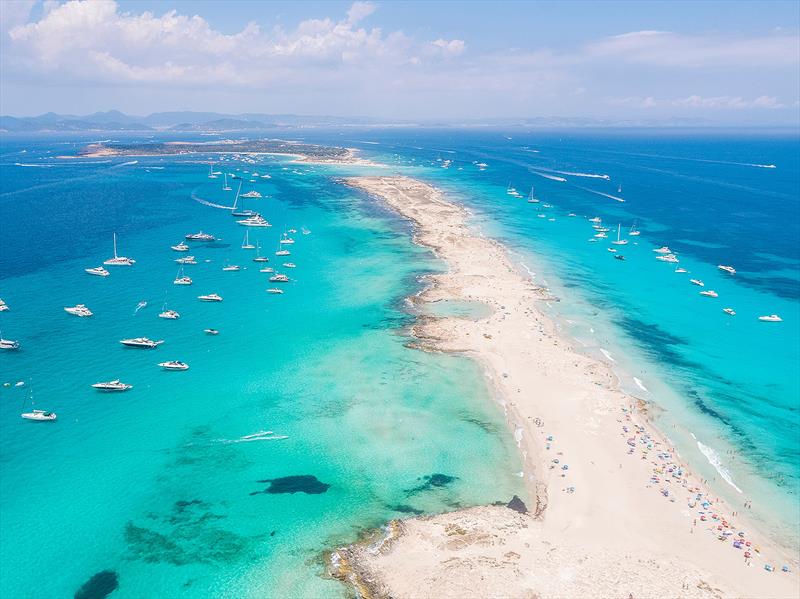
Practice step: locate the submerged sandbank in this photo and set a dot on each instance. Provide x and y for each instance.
(604, 486)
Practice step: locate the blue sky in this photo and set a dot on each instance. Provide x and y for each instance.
(731, 62)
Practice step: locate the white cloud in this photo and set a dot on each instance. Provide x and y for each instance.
(359, 11)
(696, 101)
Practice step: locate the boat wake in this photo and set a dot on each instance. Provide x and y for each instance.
(588, 175)
(211, 204)
(600, 193)
(713, 459)
(35, 165)
(126, 164)
(546, 176)
(259, 436)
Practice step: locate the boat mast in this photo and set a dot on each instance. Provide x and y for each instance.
(115, 245)
(236, 199)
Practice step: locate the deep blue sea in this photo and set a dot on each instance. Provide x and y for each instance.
(166, 485)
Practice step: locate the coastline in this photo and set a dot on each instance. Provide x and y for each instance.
(624, 495)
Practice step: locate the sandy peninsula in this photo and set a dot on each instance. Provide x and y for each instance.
(612, 511)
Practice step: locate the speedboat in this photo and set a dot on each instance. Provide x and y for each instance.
(663, 250)
(279, 278)
(174, 365)
(141, 342)
(8, 344)
(115, 385)
(98, 271)
(730, 311)
(3, 306)
(596, 219)
(267, 269)
(668, 258)
(770, 318)
(186, 260)
(39, 415)
(119, 260)
(290, 265)
(200, 237)
(231, 268)
(184, 280)
(211, 297)
(79, 310)
(181, 247)
(619, 257)
(211, 331)
(170, 315)
(611, 249)
(283, 253)
(709, 293)
(697, 282)
(681, 269)
(274, 290)
(728, 269)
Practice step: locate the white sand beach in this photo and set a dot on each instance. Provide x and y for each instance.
(612, 510)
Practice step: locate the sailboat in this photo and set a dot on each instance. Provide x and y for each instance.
(242, 212)
(246, 245)
(634, 232)
(619, 189)
(619, 241)
(119, 260)
(259, 257)
(211, 173)
(225, 186)
(37, 415)
(181, 279)
(531, 199)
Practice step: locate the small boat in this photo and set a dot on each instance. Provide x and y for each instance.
(634, 232)
(184, 280)
(118, 260)
(286, 240)
(225, 186)
(728, 269)
(697, 282)
(169, 315)
(211, 331)
(681, 269)
(115, 385)
(770, 318)
(596, 219)
(619, 241)
(181, 247)
(663, 250)
(254, 221)
(531, 198)
(8, 343)
(3, 306)
(619, 257)
(668, 258)
(267, 269)
(601, 235)
(39, 415)
(611, 249)
(283, 252)
(246, 245)
(230, 268)
(174, 365)
(572, 215)
(730, 311)
(211, 297)
(141, 342)
(200, 236)
(305, 231)
(290, 265)
(274, 290)
(709, 293)
(279, 278)
(292, 231)
(79, 310)
(251, 195)
(186, 260)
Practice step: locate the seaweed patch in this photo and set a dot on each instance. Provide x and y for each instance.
(98, 586)
(302, 483)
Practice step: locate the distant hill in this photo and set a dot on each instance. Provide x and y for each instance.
(221, 125)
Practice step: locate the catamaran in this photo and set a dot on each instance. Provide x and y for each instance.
(141, 342)
(181, 279)
(619, 241)
(115, 385)
(79, 310)
(118, 260)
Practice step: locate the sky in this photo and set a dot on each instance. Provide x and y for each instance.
(734, 62)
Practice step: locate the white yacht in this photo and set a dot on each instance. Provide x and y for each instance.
(681, 269)
(596, 219)
(279, 278)
(619, 241)
(709, 293)
(231, 268)
(668, 258)
(254, 221)
(730, 311)
(186, 260)
(601, 235)
(532, 198)
(770, 318)
(663, 250)
(634, 232)
(292, 231)
(184, 280)
(169, 315)
(267, 269)
(290, 265)
(251, 195)
(3, 306)
(115, 385)
(200, 236)
(283, 252)
(274, 290)
(286, 240)
(728, 269)
(211, 297)
(174, 365)
(8, 344)
(305, 231)
(79, 310)
(211, 331)
(118, 260)
(697, 282)
(246, 245)
(40, 415)
(181, 247)
(141, 342)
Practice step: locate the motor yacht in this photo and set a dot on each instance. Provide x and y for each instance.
(119, 260)
(200, 237)
(697, 282)
(290, 265)
(186, 260)
(668, 258)
(770, 318)
(709, 293)
(267, 269)
(663, 250)
(39, 415)
(274, 290)
(211, 331)
(611, 249)
(115, 385)
(681, 269)
(211, 297)
(169, 315)
(98, 271)
(730, 311)
(596, 219)
(279, 278)
(3, 306)
(231, 268)
(79, 310)
(184, 280)
(181, 247)
(292, 231)
(8, 344)
(174, 365)
(254, 221)
(141, 342)
(728, 269)
(283, 252)
(619, 257)
(252, 195)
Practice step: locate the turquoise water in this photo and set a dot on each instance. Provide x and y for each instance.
(161, 484)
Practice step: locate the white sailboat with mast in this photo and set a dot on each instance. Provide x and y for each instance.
(619, 241)
(119, 260)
